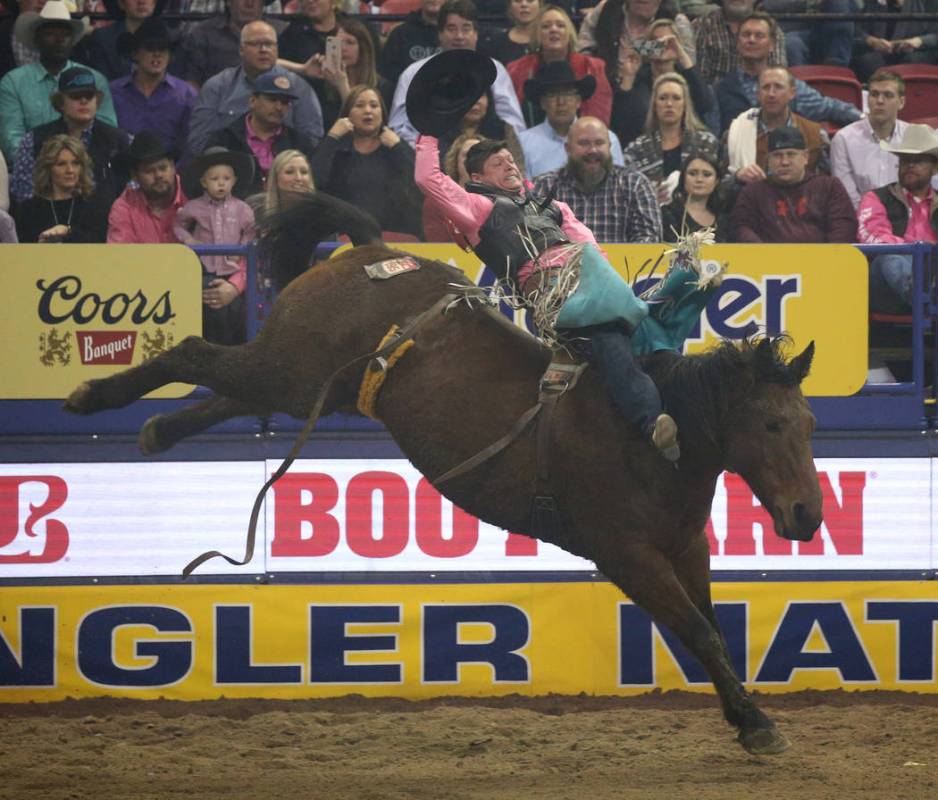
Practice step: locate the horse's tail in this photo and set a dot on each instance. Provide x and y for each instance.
(289, 236)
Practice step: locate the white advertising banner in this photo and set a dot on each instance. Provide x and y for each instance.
(356, 515)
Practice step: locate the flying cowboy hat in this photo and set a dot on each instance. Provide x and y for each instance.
(53, 12)
(558, 75)
(445, 88)
(917, 140)
(241, 163)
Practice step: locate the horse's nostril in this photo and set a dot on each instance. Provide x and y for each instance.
(803, 518)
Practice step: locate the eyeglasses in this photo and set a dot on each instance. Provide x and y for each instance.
(264, 45)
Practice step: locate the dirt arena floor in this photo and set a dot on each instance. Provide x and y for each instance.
(845, 746)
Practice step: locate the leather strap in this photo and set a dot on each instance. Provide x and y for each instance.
(408, 331)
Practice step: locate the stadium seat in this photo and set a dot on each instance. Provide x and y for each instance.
(931, 121)
(839, 82)
(921, 90)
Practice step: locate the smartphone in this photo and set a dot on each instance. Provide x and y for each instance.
(650, 47)
(334, 53)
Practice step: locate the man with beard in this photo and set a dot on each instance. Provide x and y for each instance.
(146, 214)
(262, 132)
(617, 204)
(791, 206)
(901, 212)
(716, 41)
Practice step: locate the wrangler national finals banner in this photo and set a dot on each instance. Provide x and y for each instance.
(86, 311)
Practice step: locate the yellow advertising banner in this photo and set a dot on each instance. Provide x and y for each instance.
(86, 311)
(429, 640)
(810, 291)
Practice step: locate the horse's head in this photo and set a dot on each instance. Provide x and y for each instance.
(767, 438)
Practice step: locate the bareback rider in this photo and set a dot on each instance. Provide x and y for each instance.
(526, 241)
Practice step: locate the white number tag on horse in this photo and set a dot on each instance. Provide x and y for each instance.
(382, 270)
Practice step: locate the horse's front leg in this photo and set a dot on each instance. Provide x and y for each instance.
(649, 578)
(757, 733)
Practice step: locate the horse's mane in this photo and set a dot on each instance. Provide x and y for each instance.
(289, 236)
(702, 388)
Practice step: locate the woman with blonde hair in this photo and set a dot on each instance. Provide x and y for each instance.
(290, 175)
(672, 128)
(666, 53)
(63, 207)
(556, 39)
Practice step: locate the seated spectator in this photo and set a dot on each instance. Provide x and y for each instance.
(357, 67)
(77, 101)
(146, 213)
(746, 142)
(632, 98)
(717, 37)
(738, 91)
(672, 129)
(7, 229)
(561, 95)
(482, 122)
(611, 28)
(791, 206)
(100, 49)
(883, 43)
(290, 175)
(13, 53)
(698, 200)
(150, 99)
(24, 92)
(857, 160)
(216, 216)
(261, 133)
(457, 28)
(214, 44)
(436, 226)
(518, 40)
(63, 206)
(413, 40)
(361, 153)
(828, 41)
(226, 96)
(903, 211)
(555, 40)
(617, 204)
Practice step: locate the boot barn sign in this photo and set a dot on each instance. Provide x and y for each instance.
(366, 580)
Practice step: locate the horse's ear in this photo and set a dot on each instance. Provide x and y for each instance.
(765, 354)
(800, 365)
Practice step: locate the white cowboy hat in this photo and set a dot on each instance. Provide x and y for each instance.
(53, 11)
(918, 140)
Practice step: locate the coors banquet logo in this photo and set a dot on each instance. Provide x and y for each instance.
(63, 301)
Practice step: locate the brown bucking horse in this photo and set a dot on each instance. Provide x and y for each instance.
(466, 381)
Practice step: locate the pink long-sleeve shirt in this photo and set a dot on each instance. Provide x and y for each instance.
(468, 211)
(131, 220)
(874, 226)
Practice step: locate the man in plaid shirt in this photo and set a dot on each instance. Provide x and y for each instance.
(716, 41)
(618, 204)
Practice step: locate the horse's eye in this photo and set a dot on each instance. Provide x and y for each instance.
(773, 426)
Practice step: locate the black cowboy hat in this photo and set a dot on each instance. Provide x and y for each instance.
(241, 163)
(150, 31)
(445, 88)
(558, 75)
(148, 146)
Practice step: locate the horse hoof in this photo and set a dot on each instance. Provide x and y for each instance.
(79, 401)
(764, 741)
(149, 441)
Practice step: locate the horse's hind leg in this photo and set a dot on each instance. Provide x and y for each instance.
(162, 431)
(225, 370)
(651, 581)
(757, 733)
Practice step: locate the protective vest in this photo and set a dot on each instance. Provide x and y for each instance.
(897, 209)
(517, 230)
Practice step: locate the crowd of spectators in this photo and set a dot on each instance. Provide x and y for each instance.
(651, 118)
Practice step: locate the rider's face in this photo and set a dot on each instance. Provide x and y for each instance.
(501, 172)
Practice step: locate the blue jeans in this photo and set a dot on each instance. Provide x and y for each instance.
(822, 42)
(633, 393)
(891, 284)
